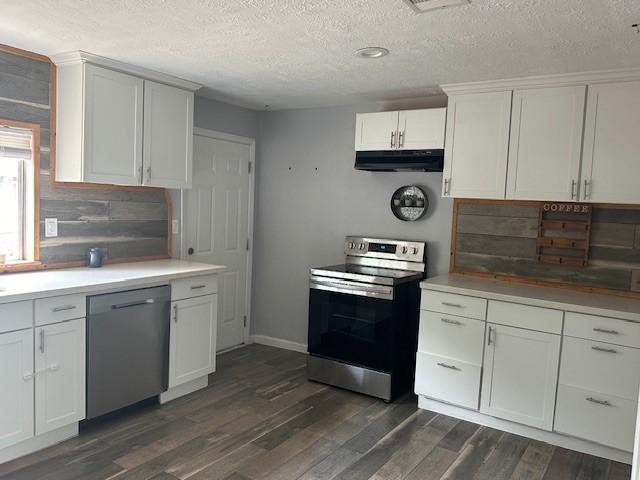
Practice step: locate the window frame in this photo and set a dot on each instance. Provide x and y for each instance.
(30, 231)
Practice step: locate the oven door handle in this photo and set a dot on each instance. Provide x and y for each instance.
(352, 288)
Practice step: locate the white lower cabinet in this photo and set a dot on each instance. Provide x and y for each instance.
(60, 375)
(16, 387)
(192, 343)
(520, 375)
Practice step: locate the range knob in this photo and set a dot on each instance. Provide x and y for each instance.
(351, 245)
(414, 250)
(362, 245)
(404, 249)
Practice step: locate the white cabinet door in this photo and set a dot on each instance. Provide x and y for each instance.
(377, 131)
(421, 129)
(16, 387)
(477, 142)
(168, 136)
(60, 379)
(545, 145)
(611, 144)
(112, 129)
(520, 375)
(192, 343)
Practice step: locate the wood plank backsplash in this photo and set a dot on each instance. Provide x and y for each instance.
(126, 223)
(499, 238)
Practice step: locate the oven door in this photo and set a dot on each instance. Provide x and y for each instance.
(351, 322)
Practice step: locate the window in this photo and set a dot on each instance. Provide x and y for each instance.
(18, 180)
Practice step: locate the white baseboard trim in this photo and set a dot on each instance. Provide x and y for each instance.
(280, 343)
(40, 442)
(553, 438)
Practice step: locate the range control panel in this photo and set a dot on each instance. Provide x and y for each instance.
(386, 249)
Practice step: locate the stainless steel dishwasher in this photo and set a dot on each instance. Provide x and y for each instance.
(127, 348)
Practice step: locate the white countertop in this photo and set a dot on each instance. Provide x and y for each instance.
(550, 297)
(47, 283)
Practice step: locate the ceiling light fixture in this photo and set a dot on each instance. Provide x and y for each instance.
(372, 52)
(421, 6)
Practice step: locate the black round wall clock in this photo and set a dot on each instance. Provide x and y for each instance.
(409, 203)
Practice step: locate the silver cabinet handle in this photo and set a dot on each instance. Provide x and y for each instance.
(42, 341)
(64, 308)
(451, 322)
(175, 313)
(605, 403)
(447, 186)
(401, 137)
(140, 174)
(454, 305)
(489, 336)
(605, 330)
(574, 183)
(197, 287)
(148, 301)
(446, 365)
(148, 174)
(586, 193)
(393, 139)
(602, 349)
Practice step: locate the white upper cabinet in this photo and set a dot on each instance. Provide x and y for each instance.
(421, 129)
(611, 165)
(376, 131)
(122, 125)
(404, 130)
(112, 127)
(16, 387)
(60, 382)
(545, 144)
(168, 136)
(477, 142)
(520, 375)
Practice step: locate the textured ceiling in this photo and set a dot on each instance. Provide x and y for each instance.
(299, 53)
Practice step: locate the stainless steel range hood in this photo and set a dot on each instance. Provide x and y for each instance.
(400, 160)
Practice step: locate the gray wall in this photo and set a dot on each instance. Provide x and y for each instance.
(309, 197)
(125, 223)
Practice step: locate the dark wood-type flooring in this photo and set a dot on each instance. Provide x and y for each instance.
(261, 419)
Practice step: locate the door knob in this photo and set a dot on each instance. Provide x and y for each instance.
(190, 251)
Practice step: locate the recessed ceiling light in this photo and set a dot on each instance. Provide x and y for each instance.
(421, 6)
(372, 52)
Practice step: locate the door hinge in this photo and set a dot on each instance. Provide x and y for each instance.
(247, 244)
(250, 166)
(245, 321)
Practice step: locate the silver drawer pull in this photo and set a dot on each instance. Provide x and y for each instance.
(450, 367)
(197, 287)
(451, 322)
(605, 330)
(602, 349)
(64, 308)
(598, 402)
(455, 305)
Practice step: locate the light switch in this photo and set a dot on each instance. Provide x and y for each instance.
(50, 227)
(175, 227)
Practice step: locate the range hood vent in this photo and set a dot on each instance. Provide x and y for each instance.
(421, 6)
(401, 160)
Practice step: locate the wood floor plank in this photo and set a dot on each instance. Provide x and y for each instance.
(474, 454)
(564, 464)
(504, 459)
(534, 461)
(226, 465)
(593, 468)
(458, 437)
(619, 471)
(332, 465)
(434, 465)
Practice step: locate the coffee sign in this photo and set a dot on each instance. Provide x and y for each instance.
(566, 207)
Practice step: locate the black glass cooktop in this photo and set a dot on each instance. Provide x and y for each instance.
(367, 274)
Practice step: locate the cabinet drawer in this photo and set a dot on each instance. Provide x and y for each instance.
(602, 329)
(59, 309)
(525, 316)
(578, 413)
(448, 380)
(451, 336)
(600, 367)
(16, 316)
(194, 287)
(453, 304)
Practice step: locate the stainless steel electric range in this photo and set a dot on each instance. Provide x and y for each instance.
(363, 317)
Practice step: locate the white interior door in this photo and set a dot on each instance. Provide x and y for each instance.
(217, 216)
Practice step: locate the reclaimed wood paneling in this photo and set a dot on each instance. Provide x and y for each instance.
(126, 223)
(498, 238)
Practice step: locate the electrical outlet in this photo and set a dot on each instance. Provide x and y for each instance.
(50, 227)
(175, 227)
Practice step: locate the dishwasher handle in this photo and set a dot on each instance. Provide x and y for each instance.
(118, 306)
